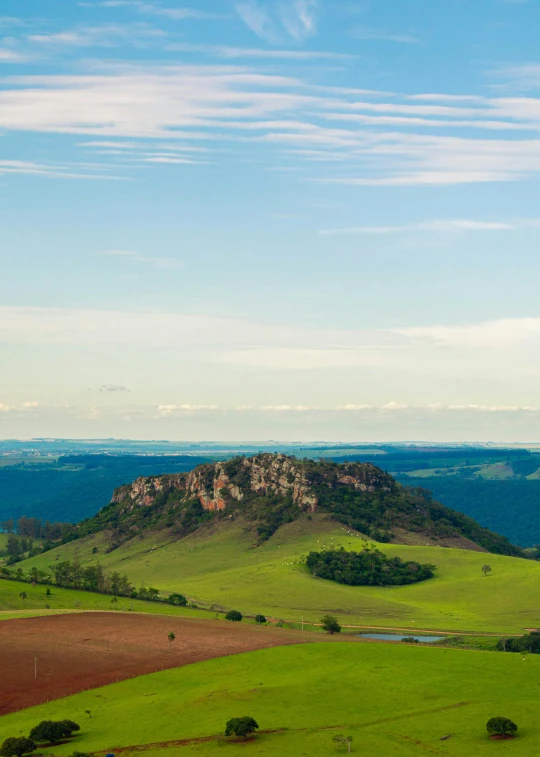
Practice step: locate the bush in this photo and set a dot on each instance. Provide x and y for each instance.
(234, 615)
(410, 640)
(260, 619)
(16, 747)
(330, 624)
(501, 727)
(241, 727)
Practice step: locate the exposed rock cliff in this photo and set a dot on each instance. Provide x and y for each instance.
(214, 486)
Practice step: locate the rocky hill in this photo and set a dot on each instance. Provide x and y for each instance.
(269, 490)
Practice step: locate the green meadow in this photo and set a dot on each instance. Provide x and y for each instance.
(221, 566)
(395, 700)
(71, 600)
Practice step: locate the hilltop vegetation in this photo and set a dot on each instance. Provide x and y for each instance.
(271, 490)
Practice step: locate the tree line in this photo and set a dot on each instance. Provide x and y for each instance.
(35, 528)
(70, 574)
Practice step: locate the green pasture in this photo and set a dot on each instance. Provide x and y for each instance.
(71, 600)
(396, 701)
(221, 566)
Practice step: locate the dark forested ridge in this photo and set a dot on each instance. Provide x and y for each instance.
(509, 507)
(75, 487)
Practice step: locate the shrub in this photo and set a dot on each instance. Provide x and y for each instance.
(410, 640)
(16, 747)
(330, 624)
(501, 727)
(260, 619)
(241, 727)
(234, 615)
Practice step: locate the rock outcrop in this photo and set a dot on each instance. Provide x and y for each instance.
(214, 486)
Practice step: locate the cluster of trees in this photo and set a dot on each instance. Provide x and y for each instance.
(530, 642)
(35, 528)
(48, 731)
(72, 575)
(366, 568)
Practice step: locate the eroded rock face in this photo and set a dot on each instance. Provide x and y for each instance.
(216, 485)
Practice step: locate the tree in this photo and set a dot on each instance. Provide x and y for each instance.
(486, 569)
(171, 638)
(330, 624)
(53, 731)
(501, 727)
(234, 615)
(241, 727)
(16, 747)
(48, 592)
(260, 619)
(177, 599)
(343, 741)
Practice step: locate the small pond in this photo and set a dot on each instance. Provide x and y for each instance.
(399, 637)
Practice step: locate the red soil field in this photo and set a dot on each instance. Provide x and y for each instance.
(87, 650)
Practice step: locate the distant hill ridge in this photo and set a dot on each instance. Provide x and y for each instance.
(269, 490)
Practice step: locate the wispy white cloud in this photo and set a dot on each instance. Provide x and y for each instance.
(113, 388)
(157, 262)
(104, 35)
(12, 56)
(294, 20)
(349, 131)
(52, 170)
(443, 226)
(235, 53)
(382, 35)
(156, 9)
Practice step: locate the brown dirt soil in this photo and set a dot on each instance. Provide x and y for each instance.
(87, 650)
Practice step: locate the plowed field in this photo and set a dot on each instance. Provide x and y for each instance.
(46, 658)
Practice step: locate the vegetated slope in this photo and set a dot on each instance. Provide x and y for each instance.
(76, 486)
(270, 490)
(509, 507)
(220, 565)
(394, 700)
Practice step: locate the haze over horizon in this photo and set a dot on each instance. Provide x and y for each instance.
(290, 219)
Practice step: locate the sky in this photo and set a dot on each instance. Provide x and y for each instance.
(270, 219)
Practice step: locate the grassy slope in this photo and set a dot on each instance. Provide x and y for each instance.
(222, 567)
(71, 600)
(394, 700)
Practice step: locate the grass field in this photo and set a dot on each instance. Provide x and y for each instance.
(70, 600)
(223, 567)
(396, 701)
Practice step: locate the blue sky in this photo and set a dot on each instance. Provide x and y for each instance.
(293, 219)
